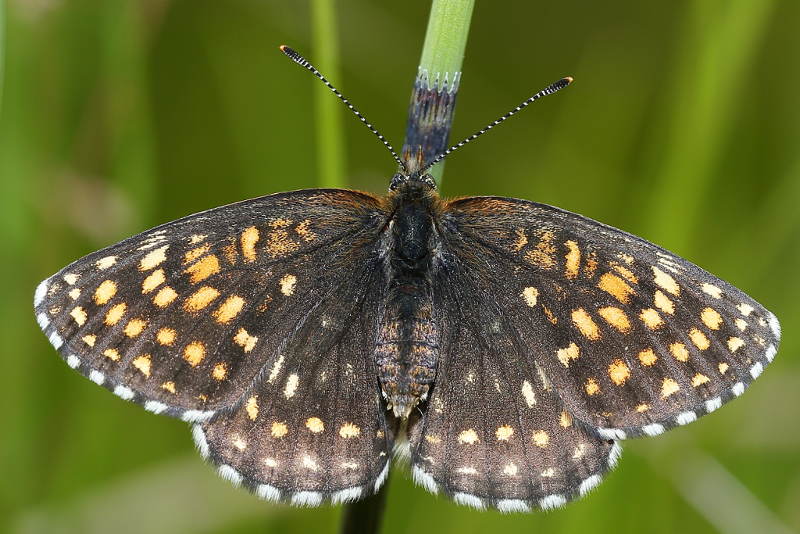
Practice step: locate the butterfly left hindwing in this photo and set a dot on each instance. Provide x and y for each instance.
(634, 339)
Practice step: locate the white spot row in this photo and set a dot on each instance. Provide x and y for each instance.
(426, 480)
(39, 294)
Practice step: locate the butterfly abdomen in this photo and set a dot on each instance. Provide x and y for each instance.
(407, 345)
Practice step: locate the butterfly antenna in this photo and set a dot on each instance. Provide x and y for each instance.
(303, 62)
(549, 90)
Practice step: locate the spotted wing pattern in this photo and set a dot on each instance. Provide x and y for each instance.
(313, 428)
(198, 317)
(633, 339)
(495, 432)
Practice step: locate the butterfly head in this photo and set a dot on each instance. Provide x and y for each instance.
(413, 180)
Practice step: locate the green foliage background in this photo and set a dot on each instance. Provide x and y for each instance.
(683, 127)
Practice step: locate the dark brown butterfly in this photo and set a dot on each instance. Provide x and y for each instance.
(504, 345)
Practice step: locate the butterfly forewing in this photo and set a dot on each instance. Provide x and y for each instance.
(495, 433)
(184, 318)
(633, 338)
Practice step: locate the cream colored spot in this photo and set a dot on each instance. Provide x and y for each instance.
(197, 238)
(651, 318)
(202, 269)
(239, 443)
(219, 372)
(135, 327)
(585, 324)
(71, 278)
(153, 258)
(315, 425)
(616, 318)
(619, 372)
(641, 408)
(248, 240)
(699, 379)
(745, 309)
(625, 272)
(200, 299)
(115, 314)
(616, 287)
(663, 302)
(276, 368)
(291, 386)
(565, 355)
(169, 386)
(245, 340)
(105, 292)
(504, 433)
(541, 438)
(699, 339)
(287, 284)
(711, 318)
(142, 363)
(530, 295)
(279, 430)
(679, 352)
(303, 231)
(432, 438)
(510, 469)
(229, 309)
(196, 253)
(468, 437)
(469, 470)
(153, 280)
(592, 387)
(194, 353)
(252, 407)
(113, 355)
(79, 314)
(665, 281)
(741, 324)
(580, 451)
(528, 394)
(522, 239)
(166, 336)
(573, 260)
(735, 343)
(349, 430)
(90, 339)
(271, 462)
(74, 293)
(164, 297)
(550, 317)
(548, 473)
(723, 368)
(565, 420)
(668, 387)
(105, 263)
(714, 291)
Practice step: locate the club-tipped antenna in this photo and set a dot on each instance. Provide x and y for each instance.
(303, 62)
(549, 90)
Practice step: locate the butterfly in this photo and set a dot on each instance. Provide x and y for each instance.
(505, 346)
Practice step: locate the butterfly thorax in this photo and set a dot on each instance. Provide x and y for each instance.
(407, 347)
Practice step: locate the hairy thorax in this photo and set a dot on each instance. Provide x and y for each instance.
(407, 345)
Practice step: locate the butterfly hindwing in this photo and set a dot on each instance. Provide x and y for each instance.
(634, 339)
(494, 432)
(312, 429)
(183, 318)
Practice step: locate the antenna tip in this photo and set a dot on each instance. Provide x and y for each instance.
(285, 49)
(567, 79)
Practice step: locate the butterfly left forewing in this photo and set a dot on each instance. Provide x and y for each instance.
(634, 338)
(182, 318)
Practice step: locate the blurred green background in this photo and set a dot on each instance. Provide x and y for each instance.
(683, 126)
